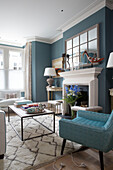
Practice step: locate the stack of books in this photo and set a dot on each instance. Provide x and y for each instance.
(19, 103)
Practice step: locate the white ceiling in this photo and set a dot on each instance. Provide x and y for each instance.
(38, 18)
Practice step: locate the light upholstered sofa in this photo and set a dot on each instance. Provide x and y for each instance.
(6, 94)
(4, 103)
(2, 134)
(8, 97)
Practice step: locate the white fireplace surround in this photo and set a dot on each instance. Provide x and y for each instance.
(86, 77)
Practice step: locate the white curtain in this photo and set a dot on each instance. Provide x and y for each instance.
(28, 83)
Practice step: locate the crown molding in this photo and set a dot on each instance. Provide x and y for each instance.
(12, 43)
(56, 38)
(91, 9)
(39, 39)
(109, 4)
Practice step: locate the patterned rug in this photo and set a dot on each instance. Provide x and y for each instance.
(21, 155)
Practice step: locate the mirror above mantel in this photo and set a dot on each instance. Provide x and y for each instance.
(88, 41)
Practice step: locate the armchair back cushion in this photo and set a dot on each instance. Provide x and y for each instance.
(93, 115)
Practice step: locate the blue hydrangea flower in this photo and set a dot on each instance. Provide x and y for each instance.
(67, 90)
(71, 88)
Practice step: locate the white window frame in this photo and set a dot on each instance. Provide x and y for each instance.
(6, 69)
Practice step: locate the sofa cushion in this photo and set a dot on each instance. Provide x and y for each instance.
(10, 95)
(6, 102)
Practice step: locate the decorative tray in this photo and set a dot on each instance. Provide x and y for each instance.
(33, 112)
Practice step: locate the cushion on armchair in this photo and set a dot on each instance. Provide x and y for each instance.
(93, 115)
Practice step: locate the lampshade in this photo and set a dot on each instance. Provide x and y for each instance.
(110, 61)
(49, 72)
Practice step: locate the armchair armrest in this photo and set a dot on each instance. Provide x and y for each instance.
(93, 115)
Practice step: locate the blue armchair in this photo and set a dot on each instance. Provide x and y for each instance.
(91, 129)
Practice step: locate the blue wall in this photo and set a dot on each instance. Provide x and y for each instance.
(40, 59)
(103, 17)
(56, 52)
(57, 49)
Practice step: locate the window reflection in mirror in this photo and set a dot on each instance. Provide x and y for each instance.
(87, 40)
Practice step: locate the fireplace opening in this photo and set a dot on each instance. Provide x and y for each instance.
(83, 100)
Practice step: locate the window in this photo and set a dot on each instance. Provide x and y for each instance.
(1, 59)
(11, 69)
(75, 46)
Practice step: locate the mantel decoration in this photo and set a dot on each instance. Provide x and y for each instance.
(94, 59)
(72, 95)
(65, 60)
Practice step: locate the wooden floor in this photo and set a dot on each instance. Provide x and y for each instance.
(89, 157)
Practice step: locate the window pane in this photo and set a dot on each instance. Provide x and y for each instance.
(92, 34)
(83, 38)
(1, 59)
(75, 51)
(2, 83)
(69, 52)
(15, 60)
(76, 61)
(69, 44)
(16, 80)
(76, 41)
(83, 48)
(92, 46)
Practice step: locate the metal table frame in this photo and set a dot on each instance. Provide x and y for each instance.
(31, 115)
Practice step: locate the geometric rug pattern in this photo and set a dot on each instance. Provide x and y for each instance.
(22, 154)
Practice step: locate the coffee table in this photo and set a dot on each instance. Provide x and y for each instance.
(23, 114)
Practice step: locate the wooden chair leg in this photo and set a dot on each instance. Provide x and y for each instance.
(101, 160)
(63, 146)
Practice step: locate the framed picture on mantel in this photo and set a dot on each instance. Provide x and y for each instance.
(57, 64)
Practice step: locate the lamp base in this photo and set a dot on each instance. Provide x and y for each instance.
(50, 81)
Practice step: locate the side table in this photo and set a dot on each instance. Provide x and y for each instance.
(50, 91)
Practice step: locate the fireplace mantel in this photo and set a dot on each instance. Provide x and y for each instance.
(90, 73)
(83, 77)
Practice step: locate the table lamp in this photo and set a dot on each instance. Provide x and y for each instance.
(110, 61)
(50, 72)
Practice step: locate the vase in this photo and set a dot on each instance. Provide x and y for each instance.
(71, 112)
